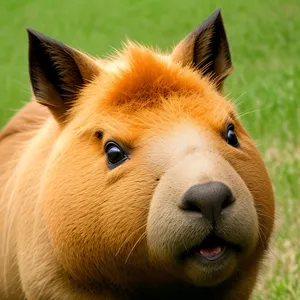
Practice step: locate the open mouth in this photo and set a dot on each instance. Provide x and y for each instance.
(211, 248)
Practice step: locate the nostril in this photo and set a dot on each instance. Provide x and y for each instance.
(190, 206)
(190, 200)
(227, 201)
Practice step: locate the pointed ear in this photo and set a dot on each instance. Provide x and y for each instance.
(57, 73)
(206, 49)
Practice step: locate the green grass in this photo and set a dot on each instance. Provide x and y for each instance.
(265, 43)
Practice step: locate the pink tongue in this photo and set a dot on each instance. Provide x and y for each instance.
(211, 252)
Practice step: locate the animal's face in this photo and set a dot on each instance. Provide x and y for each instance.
(152, 176)
(202, 214)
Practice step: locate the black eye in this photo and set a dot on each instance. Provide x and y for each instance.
(231, 137)
(115, 155)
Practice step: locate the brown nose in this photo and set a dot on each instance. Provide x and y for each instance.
(208, 199)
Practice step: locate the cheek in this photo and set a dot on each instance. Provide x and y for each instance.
(250, 166)
(71, 191)
(94, 216)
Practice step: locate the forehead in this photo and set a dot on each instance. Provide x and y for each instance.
(176, 121)
(141, 89)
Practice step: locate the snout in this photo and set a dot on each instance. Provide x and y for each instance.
(208, 201)
(202, 219)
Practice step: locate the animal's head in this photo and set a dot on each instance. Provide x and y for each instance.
(152, 175)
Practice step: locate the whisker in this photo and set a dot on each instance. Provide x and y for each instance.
(128, 238)
(263, 214)
(250, 111)
(239, 99)
(136, 243)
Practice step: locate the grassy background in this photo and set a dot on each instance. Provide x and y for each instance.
(265, 44)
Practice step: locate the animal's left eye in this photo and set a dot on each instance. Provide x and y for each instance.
(115, 155)
(231, 137)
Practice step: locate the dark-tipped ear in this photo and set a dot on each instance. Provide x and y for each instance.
(207, 50)
(57, 73)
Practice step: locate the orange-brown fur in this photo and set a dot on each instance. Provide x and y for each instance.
(73, 229)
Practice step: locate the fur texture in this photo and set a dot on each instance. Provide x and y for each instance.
(72, 227)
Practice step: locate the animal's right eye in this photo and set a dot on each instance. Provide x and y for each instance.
(115, 155)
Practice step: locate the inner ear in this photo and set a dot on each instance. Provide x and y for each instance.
(57, 73)
(206, 49)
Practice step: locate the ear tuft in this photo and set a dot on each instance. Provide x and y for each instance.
(206, 49)
(57, 72)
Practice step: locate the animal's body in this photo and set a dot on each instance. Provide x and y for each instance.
(131, 178)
